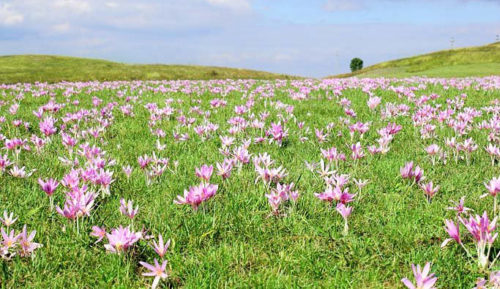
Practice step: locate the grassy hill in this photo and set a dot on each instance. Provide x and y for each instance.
(47, 68)
(461, 62)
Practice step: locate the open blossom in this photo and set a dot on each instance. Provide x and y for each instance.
(18, 172)
(357, 151)
(144, 161)
(336, 194)
(156, 270)
(98, 232)
(373, 102)
(127, 170)
(493, 186)
(360, 183)
(481, 228)
(78, 203)
(429, 189)
(8, 219)
(27, 246)
(423, 280)
(196, 195)
(127, 209)
(47, 126)
(204, 172)
(121, 239)
(344, 211)
(161, 247)
(433, 149)
(282, 193)
(48, 186)
(241, 155)
(460, 207)
(483, 232)
(72, 179)
(320, 136)
(224, 169)
(270, 175)
(9, 240)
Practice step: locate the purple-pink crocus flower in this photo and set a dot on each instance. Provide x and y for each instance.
(156, 270)
(423, 280)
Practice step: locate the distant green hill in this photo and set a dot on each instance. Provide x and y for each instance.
(47, 68)
(460, 62)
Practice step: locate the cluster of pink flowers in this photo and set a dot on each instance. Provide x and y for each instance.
(201, 193)
(11, 244)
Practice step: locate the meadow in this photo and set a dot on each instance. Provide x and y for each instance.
(334, 183)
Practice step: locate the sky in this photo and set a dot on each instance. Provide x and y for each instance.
(312, 38)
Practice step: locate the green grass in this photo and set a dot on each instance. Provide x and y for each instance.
(47, 68)
(461, 62)
(231, 242)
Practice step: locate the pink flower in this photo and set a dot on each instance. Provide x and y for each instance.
(78, 203)
(481, 228)
(121, 239)
(7, 219)
(429, 189)
(127, 170)
(418, 174)
(127, 209)
(4, 162)
(204, 172)
(357, 151)
(493, 186)
(8, 240)
(156, 271)
(278, 133)
(196, 195)
(47, 126)
(160, 247)
(344, 211)
(459, 206)
(98, 232)
(433, 149)
(407, 170)
(453, 230)
(26, 242)
(423, 279)
(48, 186)
(373, 102)
(224, 169)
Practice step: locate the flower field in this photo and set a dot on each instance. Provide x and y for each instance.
(335, 183)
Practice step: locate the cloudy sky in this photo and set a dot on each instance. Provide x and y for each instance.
(302, 37)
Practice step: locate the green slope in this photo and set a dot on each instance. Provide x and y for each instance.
(47, 68)
(461, 62)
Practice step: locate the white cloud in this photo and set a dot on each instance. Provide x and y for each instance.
(9, 17)
(78, 6)
(237, 5)
(61, 28)
(111, 4)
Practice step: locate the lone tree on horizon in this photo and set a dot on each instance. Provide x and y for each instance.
(356, 64)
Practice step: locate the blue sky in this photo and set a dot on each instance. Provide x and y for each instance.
(310, 38)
